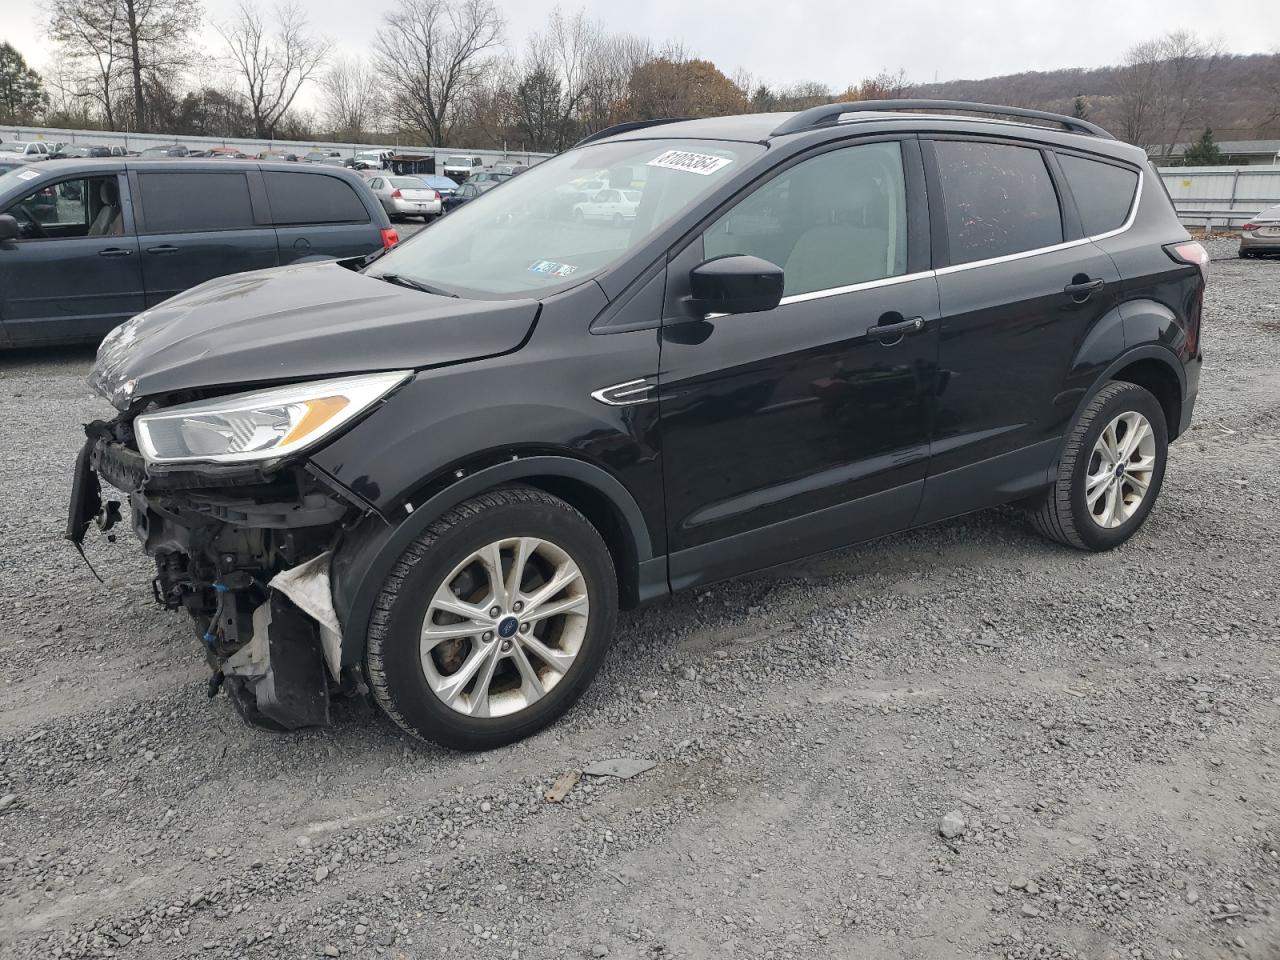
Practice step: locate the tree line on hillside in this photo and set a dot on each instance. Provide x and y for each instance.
(445, 72)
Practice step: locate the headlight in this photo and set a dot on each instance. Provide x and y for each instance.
(262, 425)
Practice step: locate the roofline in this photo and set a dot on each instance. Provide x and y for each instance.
(830, 113)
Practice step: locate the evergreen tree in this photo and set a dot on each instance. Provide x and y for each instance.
(1203, 153)
(1081, 108)
(22, 95)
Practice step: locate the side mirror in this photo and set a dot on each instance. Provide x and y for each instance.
(9, 229)
(736, 283)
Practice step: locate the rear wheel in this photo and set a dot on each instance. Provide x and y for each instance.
(1110, 473)
(494, 621)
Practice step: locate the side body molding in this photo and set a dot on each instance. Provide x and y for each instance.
(370, 550)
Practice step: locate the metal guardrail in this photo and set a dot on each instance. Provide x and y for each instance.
(1220, 217)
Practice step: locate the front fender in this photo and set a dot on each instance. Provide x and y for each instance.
(369, 551)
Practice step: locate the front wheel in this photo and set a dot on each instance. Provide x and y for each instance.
(493, 622)
(1110, 473)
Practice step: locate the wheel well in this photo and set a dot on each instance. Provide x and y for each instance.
(606, 518)
(1162, 383)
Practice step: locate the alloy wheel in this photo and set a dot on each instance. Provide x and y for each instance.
(1121, 469)
(504, 627)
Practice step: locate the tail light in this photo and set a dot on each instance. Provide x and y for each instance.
(1249, 227)
(389, 238)
(395, 194)
(1190, 252)
(436, 194)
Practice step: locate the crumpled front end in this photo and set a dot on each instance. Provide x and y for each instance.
(244, 549)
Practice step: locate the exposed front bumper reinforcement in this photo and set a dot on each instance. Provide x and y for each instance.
(247, 554)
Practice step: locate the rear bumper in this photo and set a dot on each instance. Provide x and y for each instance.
(417, 208)
(1256, 243)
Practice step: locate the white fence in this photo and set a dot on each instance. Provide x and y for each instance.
(1221, 196)
(140, 141)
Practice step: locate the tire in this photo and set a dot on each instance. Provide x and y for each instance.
(510, 707)
(1065, 513)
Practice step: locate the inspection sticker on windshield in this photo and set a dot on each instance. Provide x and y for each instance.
(701, 163)
(28, 174)
(551, 268)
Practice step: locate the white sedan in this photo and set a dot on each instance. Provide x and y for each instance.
(407, 197)
(610, 206)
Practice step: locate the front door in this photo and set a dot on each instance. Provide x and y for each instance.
(805, 427)
(73, 273)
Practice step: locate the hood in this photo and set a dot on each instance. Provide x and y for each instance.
(298, 323)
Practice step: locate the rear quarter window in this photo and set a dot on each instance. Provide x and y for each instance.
(180, 202)
(306, 198)
(1103, 192)
(998, 199)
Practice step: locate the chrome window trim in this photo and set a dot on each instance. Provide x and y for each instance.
(958, 267)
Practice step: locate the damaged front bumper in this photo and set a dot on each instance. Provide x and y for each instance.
(246, 551)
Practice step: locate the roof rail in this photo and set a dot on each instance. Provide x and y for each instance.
(624, 128)
(830, 113)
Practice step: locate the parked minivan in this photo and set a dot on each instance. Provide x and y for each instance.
(87, 244)
(437, 475)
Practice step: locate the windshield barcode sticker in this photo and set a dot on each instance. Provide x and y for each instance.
(551, 268)
(701, 163)
(28, 174)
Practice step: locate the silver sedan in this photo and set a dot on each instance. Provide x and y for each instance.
(406, 197)
(1261, 234)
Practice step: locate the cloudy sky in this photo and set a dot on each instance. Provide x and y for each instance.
(833, 41)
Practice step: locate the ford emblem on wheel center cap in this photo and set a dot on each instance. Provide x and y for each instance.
(507, 627)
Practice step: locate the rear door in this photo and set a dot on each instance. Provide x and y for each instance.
(1020, 288)
(318, 215)
(196, 225)
(74, 272)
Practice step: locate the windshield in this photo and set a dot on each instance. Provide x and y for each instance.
(459, 161)
(541, 231)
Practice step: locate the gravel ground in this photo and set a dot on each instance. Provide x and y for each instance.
(959, 742)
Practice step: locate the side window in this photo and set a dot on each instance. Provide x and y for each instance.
(375, 183)
(1103, 192)
(834, 220)
(180, 202)
(998, 199)
(302, 198)
(82, 207)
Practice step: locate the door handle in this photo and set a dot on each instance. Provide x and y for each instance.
(1082, 290)
(163, 248)
(892, 333)
(114, 252)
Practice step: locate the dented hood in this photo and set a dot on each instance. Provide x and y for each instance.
(298, 323)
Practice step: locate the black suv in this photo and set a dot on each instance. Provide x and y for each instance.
(442, 471)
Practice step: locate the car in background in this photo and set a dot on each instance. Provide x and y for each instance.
(491, 176)
(460, 167)
(1261, 234)
(169, 150)
(465, 193)
(370, 160)
(609, 206)
(283, 156)
(441, 184)
(407, 197)
(87, 244)
(227, 153)
(326, 157)
(64, 151)
(511, 169)
(26, 149)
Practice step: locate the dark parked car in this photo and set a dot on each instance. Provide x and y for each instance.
(169, 150)
(466, 192)
(440, 473)
(86, 244)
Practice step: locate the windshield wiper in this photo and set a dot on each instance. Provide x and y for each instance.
(402, 281)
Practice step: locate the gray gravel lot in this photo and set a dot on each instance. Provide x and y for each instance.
(1103, 728)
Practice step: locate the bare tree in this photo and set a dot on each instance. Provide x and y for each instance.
(432, 54)
(123, 43)
(610, 67)
(91, 51)
(1161, 88)
(273, 67)
(351, 97)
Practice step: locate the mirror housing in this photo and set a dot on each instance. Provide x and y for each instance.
(735, 283)
(9, 228)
